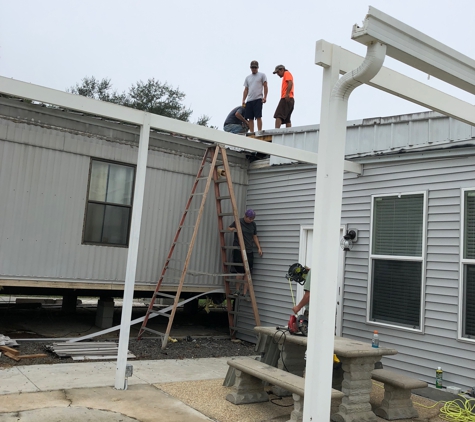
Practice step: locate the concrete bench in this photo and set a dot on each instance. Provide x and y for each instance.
(397, 403)
(249, 388)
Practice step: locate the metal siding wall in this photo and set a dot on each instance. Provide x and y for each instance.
(381, 135)
(419, 354)
(43, 183)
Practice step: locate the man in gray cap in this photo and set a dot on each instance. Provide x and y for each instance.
(254, 95)
(286, 104)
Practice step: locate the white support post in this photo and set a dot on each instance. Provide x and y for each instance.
(326, 229)
(331, 150)
(126, 317)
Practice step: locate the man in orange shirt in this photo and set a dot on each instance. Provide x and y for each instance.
(286, 104)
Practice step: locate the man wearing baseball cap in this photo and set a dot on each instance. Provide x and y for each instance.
(254, 95)
(286, 104)
(249, 233)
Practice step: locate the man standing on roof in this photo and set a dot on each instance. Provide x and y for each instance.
(254, 95)
(235, 122)
(249, 233)
(286, 104)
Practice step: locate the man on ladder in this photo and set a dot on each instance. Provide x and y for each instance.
(249, 233)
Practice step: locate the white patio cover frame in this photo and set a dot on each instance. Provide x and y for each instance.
(330, 165)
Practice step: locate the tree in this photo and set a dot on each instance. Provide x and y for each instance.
(152, 96)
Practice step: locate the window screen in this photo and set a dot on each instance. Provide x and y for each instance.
(109, 206)
(397, 225)
(469, 220)
(397, 292)
(397, 230)
(469, 302)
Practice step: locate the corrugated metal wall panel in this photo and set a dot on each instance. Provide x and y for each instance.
(43, 182)
(381, 135)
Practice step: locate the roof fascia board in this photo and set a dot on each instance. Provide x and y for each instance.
(417, 49)
(45, 95)
(400, 85)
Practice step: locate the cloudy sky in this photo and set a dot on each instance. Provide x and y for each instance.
(205, 47)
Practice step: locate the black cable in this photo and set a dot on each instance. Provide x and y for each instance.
(283, 334)
(279, 398)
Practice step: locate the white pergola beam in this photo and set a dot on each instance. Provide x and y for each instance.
(126, 114)
(399, 85)
(416, 49)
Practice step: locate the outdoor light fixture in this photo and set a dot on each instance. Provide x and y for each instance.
(349, 239)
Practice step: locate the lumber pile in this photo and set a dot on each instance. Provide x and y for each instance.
(15, 354)
(99, 350)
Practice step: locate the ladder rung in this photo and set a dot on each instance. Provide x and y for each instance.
(157, 312)
(220, 198)
(243, 330)
(234, 281)
(231, 247)
(202, 178)
(234, 264)
(160, 294)
(225, 214)
(153, 331)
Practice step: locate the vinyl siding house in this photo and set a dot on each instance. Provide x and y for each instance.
(411, 273)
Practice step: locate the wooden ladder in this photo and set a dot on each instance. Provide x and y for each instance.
(219, 176)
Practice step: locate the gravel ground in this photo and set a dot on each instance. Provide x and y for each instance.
(145, 349)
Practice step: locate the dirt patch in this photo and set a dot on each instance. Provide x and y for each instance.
(200, 335)
(146, 349)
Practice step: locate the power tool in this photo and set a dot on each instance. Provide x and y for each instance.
(298, 324)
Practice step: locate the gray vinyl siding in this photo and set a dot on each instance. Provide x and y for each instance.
(419, 353)
(283, 198)
(44, 172)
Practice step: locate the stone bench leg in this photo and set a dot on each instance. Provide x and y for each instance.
(396, 404)
(292, 359)
(297, 413)
(247, 389)
(356, 386)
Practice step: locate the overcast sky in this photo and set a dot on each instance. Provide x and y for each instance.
(205, 47)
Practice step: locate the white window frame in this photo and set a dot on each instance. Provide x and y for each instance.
(463, 262)
(422, 259)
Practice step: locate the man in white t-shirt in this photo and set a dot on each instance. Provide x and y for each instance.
(254, 95)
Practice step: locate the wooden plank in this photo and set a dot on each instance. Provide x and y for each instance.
(10, 350)
(14, 357)
(37, 355)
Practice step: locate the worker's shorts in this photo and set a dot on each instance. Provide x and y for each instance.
(253, 109)
(236, 128)
(237, 258)
(284, 110)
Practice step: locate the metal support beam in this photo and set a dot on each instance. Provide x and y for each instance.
(416, 49)
(131, 269)
(126, 114)
(398, 84)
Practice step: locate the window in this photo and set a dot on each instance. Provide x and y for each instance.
(468, 298)
(396, 260)
(109, 205)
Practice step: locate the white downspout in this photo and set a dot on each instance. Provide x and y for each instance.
(328, 198)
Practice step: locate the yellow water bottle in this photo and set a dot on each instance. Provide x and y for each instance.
(438, 377)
